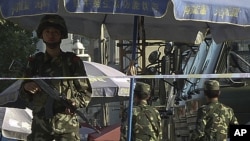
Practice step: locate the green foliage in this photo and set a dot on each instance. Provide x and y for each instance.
(15, 43)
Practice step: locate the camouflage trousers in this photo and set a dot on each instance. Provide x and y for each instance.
(61, 127)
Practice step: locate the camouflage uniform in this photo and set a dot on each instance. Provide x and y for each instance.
(146, 123)
(213, 119)
(49, 118)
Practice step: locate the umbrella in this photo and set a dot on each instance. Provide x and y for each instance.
(15, 123)
(106, 87)
(9, 96)
(213, 11)
(226, 19)
(118, 18)
(113, 89)
(84, 14)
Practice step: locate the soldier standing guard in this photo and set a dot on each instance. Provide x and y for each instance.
(214, 118)
(146, 120)
(51, 119)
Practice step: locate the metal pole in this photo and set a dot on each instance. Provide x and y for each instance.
(132, 80)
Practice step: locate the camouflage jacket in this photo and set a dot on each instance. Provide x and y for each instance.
(65, 65)
(213, 121)
(146, 123)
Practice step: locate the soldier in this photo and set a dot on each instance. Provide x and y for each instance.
(51, 119)
(214, 118)
(146, 120)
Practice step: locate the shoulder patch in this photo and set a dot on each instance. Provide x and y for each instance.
(73, 56)
(76, 59)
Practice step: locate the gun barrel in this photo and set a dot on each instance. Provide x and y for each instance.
(80, 114)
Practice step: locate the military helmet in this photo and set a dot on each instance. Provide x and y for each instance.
(142, 90)
(54, 21)
(212, 88)
(211, 85)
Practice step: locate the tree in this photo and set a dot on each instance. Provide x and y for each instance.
(15, 43)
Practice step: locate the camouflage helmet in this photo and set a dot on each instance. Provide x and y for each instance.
(54, 21)
(212, 88)
(211, 85)
(142, 90)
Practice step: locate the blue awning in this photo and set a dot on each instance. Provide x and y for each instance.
(213, 11)
(13, 8)
(169, 20)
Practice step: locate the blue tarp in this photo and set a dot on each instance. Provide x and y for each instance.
(153, 8)
(219, 11)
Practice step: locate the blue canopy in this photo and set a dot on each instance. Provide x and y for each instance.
(13, 8)
(169, 20)
(87, 17)
(215, 11)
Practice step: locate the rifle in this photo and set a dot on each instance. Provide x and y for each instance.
(54, 94)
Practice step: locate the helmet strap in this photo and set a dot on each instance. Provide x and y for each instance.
(52, 45)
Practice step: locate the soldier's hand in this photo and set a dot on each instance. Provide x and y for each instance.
(70, 111)
(31, 87)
